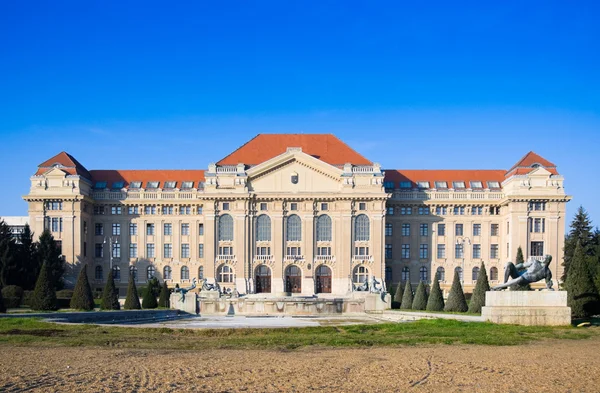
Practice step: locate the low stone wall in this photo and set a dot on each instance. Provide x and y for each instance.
(531, 308)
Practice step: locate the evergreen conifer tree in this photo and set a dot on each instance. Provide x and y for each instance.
(2, 306)
(436, 297)
(149, 299)
(420, 300)
(407, 297)
(82, 298)
(482, 286)
(110, 295)
(582, 295)
(580, 232)
(163, 300)
(132, 302)
(398, 296)
(49, 252)
(44, 294)
(28, 259)
(456, 299)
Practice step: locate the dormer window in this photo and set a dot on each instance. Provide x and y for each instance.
(423, 185)
(476, 185)
(493, 184)
(152, 184)
(459, 185)
(388, 186)
(118, 185)
(186, 185)
(170, 184)
(405, 185)
(535, 165)
(100, 185)
(441, 185)
(135, 184)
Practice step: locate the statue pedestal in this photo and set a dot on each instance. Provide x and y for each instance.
(530, 308)
(209, 294)
(189, 305)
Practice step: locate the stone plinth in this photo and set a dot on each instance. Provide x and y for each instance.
(530, 308)
(189, 305)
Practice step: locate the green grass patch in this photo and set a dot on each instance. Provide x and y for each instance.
(31, 331)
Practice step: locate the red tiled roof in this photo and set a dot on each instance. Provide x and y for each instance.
(325, 147)
(70, 164)
(524, 165)
(449, 176)
(160, 175)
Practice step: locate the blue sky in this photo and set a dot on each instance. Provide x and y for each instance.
(181, 84)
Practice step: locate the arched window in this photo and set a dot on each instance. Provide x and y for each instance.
(201, 273)
(263, 228)
(494, 274)
(441, 274)
(167, 273)
(151, 272)
(458, 269)
(225, 227)
(475, 273)
(133, 272)
(225, 273)
(324, 228)
(294, 228)
(361, 228)
(405, 273)
(423, 273)
(98, 273)
(116, 273)
(185, 273)
(361, 274)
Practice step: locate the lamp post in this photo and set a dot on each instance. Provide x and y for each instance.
(462, 240)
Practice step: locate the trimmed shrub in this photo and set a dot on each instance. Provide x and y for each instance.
(149, 300)
(456, 299)
(398, 296)
(27, 298)
(82, 298)
(436, 298)
(132, 302)
(582, 295)
(165, 294)
(407, 297)
(13, 296)
(44, 295)
(2, 306)
(110, 295)
(482, 286)
(420, 301)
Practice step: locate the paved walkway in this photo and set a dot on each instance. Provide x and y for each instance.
(406, 316)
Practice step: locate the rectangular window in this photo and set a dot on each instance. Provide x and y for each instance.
(406, 210)
(324, 206)
(362, 206)
(477, 251)
(115, 210)
(167, 250)
(263, 206)
(185, 229)
(424, 251)
(323, 251)
(389, 229)
(152, 184)
(201, 229)
(405, 185)
(388, 186)
(476, 210)
(459, 210)
(406, 251)
(135, 184)
(99, 229)
(405, 229)
(116, 250)
(458, 251)
(54, 205)
(537, 249)
(199, 209)
(116, 229)
(227, 250)
(362, 251)
(99, 250)
(98, 210)
(441, 251)
(423, 185)
(458, 231)
(185, 210)
(225, 205)
(388, 251)
(537, 225)
(185, 250)
(390, 211)
(293, 206)
(186, 185)
(85, 249)
(476, 229)
(263, 250)
(441, 210)
(494, 229)
(56, 224)
(458, 185)
(132, 210)
(133, 250)
(494, 251)
(132, 229)
(168, 229)
(441, 229)
(423, 210)
(85, 228)
(149, 229)
(441, 185)
(537, 206)
(424, 229)
(167, 210)
(200, 250)
(169, 184)
(150, 210)
(293, 251)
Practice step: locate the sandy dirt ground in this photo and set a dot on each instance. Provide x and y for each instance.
(551, 366)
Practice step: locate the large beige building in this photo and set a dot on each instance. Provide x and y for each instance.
(298, 214)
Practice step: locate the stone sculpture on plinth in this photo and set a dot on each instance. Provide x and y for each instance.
(535, 271)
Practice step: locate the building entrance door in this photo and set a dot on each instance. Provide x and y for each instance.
(293, 279)
(263, 279)
(323, 279)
